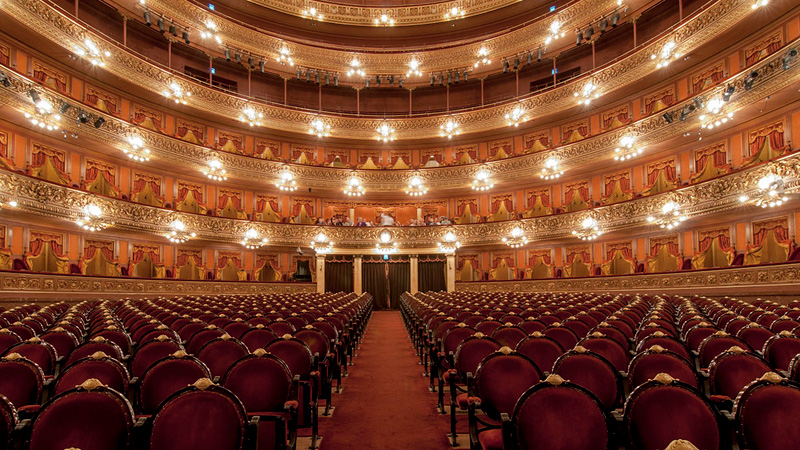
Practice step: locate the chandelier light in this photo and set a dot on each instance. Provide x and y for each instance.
(714, 115)
(91, 53)
(759, 3)
(670, 216)
(250, 116)
(589, 230)
(384, 20)
(354, 186)
(385, 245)
(627, 149)
(587, 94)
(319, 128)
(385, 132)
(137, 151)
(312, 13)
(454, 13)
(252, 240)
(517, 238)
(176, 93)
(482, 181)
(178, 233)
(449, 129)
(516, 116)
(449, 243)
(210, 32)
(10, 203)
(551, 169)
(214, 171)
(416, 186)
(483, 57)
(770, 193)
(92, 219)
(44, 116)
(286, 181)
(413, 68)
(355, 69)
(284, 57)
(555, 32)
(321, 244)
(666, 54)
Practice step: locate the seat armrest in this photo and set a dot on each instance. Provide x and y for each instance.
(617, 416)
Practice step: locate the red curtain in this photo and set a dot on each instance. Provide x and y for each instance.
(91, 249)
(472, 259)
(624, 184)
(716, 76)
(627, 252)
(38, 159)
(781, 234)
(93, 170)
(222, 261)
(140, 183)
(184, 257)
(720, 158)
(184, 189)
(670, 173)
(261, 204)
(546, 258)
(581, 256)
(473, 207)
(509, 262)
(772, 47)
(41, 76)
(776, 139)
(38, 242)
(140, 253)
(582, 191)
(667, 99)
(183, 130)
(622, 116)
(237, 143)
(224, 197)
(672, 248)
(544, 196)
(302, 204)
(723, 239)
(496, 205)
(94, 99)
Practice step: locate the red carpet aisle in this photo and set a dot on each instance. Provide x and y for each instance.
(385, 403)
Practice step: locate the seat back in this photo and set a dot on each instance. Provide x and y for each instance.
(732, 370)
(608, 348)
(502, 378)
(316, 340)
(472, 351)
(121, 338)
(21, 380)
(663, 410)
(591, 371)
(220, 353)
(258, 337)
(766, 413)
(295, 353)
(167, 376)
(455, 336)
(667, 342)
(38, 351)
(201, 338)
(8, 421)
(755, 335)
(779, 350)
(7, 339)
(90, 416)
(649, 363)
(542, 350)
(557, 414)
(202, 416)
(62, 341)
(716, 344)
(563, 335)
(509, 336)
(281, 327)
(150, 352)
(99, 366)
(262, 381)
(96, 344)
(237, 328)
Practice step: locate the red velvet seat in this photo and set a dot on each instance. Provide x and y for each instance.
(668, 342)
(117, 336)
(202, 416)
(189, 328)
(158, 331)
(8, 339)
(281, 327)
(107, 370)
(649, 363)
(663, 410)
(38, 351)
(23, 331)
(8, 421)
(554, 414)
(766, 414)
(96, 344)
(62, 341)
(695, 335)
(779, 350)
(201, 338)
(716, 344)
(258, 337)
(609, 349)
(237, 328)
(151, 351)
(267, 389)
(591, 371)
(794, 369)
(755, 335)
(563, 335)
(530, 325)
(90, 416)
(509, 336)
(784, 324)
(488, 326)
(321, 348)
(21, 380)
(166, 377)
(542, 350)
(220, 353)
(731, 371)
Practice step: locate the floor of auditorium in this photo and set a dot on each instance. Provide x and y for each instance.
(385, 402)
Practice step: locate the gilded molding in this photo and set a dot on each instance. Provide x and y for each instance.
(719, 17)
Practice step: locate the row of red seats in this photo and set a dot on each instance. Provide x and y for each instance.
(631, 341)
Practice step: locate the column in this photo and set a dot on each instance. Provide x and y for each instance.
(414, 286)
(451, 273)
(321, 274)
(357, 274)
(419, 214)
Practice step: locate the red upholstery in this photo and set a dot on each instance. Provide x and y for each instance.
(281, 327)
(542, 350)
(509, 336)
(108, 371)
(488, 326)
(258, 337)
(794, 369)
(8, 420)
(696, 335)
(201, 338)
(219, 354)
(188, 329)
(23, 331)
(90, 420)
(7, 339)
(716, 344)
(755, 336)
(454, 337)
(668, 342)
(118, 337)
(194, 419)
(730, 372)
(501, 379)
(657, 414)
(471, 352)
(296, 354)
(646, 365)
(610, 349)
(21, 381)
(563, 335)
(491, 439)
(150, 352)
(780, 350)
(237, 329)
(262, 383)
(593, 372)
(39, 352)
(167, 376)
(531, 325)
(766, 414)
(96, 345)
(63, 342)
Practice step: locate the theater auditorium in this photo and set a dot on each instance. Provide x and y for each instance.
(399, 225)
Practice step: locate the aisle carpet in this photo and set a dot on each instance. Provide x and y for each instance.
(385, 403)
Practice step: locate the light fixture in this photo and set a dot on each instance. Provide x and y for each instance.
(516, 116)
(385, 132)
(482, 181)
(321, 244)
(517, 238)
(551, 169)
(178, 234)
(788, 59)
(454, 13)
(355, 68)
(137, 150)
(770, 193)
(555, 32)
(313, 14)
(286, 181)
(175, 92)
(92, 219)
(449, 243)
(252, 241)
(210, 32)
(416, 186)
(10, 203)
(43, 114)
(587, 94)
(450, 128)
(714, 115)
(670, 216)
(384, 20)
(214, 171)
(413, 68)
(666, 54)
(385, 245)
(759, 3)
(284, 57)
(589, 230)
(250, 116)
(354, 186)
(320, 128)
(483, 57)
(627, 148)
(91, 53)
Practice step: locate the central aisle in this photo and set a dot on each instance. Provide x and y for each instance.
(385, 402)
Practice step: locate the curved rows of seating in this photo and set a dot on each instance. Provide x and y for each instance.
(585, 371)
(212, 372)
